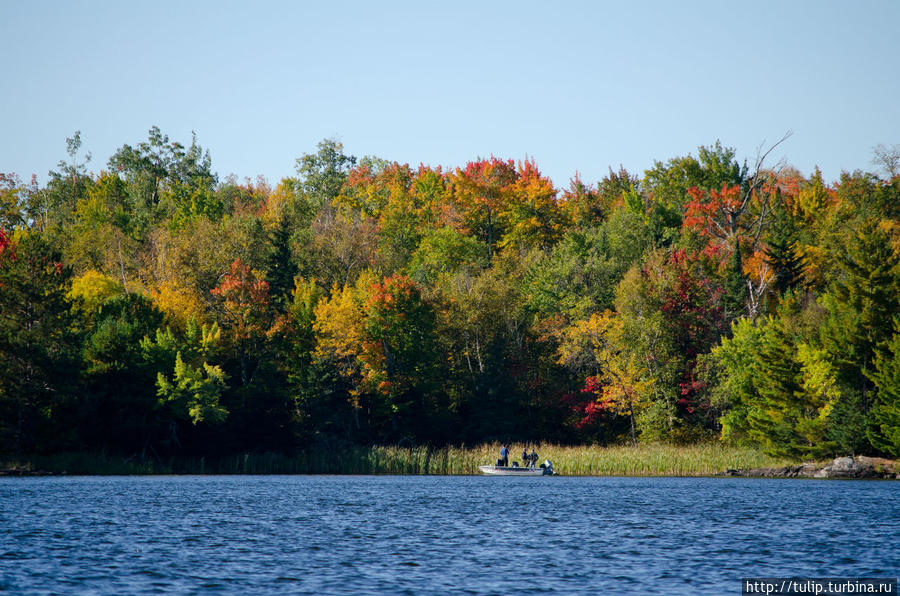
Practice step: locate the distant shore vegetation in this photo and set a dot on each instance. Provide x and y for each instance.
(153, 312)
(708, 459)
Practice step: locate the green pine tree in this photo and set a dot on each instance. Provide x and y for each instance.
(38, 349)
(781, 250)
(884, 433)
(280, 266)
(861, 301)
(735, 298)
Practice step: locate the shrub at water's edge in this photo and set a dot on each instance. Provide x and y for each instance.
(646, 460)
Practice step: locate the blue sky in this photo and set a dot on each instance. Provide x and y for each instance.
(578, 86)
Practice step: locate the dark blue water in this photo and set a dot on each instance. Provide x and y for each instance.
(437, 535)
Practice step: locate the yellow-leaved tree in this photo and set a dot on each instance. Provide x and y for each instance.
(620, 380)
(92, 288)
(178, 304)
(339, 328)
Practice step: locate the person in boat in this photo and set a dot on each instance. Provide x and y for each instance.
(504, 456)
(533, 457)
(525, 456)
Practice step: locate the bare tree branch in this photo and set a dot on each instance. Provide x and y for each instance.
(887, 158)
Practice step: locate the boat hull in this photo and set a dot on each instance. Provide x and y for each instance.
(514, 471)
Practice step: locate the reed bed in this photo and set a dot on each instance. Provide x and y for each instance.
(84, 463)
(705, 459)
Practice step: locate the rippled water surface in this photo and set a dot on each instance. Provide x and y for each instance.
(436, 535)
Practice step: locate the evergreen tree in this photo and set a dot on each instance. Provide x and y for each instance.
(773, 419)
(782, 389)
(37, 346)
(781, 252)
(849, 424)
(280, 266)
(884, 434)
(118, 387)
(735, 298)
(863, 297)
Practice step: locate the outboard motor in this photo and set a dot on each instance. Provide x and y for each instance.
(548, 467)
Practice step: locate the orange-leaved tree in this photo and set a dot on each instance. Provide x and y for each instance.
(379, 335)
(480, 195)
(398, 350)
(247, 316)
(532, 214)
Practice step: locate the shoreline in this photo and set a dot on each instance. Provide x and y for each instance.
(705, 460)
(858, 467)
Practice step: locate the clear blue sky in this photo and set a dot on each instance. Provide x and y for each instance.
(576, 85)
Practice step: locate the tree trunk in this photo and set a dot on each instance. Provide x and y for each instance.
(121, 263)
(631, 416)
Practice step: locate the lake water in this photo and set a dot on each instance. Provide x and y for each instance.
(437, 535)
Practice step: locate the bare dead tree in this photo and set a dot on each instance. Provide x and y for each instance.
(732, 213)
(887, 158)
(737, 219)
(760, 184)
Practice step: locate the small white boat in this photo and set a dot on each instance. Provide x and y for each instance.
(546, 469)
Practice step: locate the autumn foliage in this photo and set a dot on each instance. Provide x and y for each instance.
(157, 308)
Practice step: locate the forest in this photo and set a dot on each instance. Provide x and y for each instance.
(152, 307)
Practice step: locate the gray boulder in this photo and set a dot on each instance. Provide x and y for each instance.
(841, 467)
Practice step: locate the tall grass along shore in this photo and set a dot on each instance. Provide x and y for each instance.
(645, 460)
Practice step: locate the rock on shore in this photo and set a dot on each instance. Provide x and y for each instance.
(842, 467)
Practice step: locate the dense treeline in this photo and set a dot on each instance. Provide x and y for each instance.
(154, 308)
